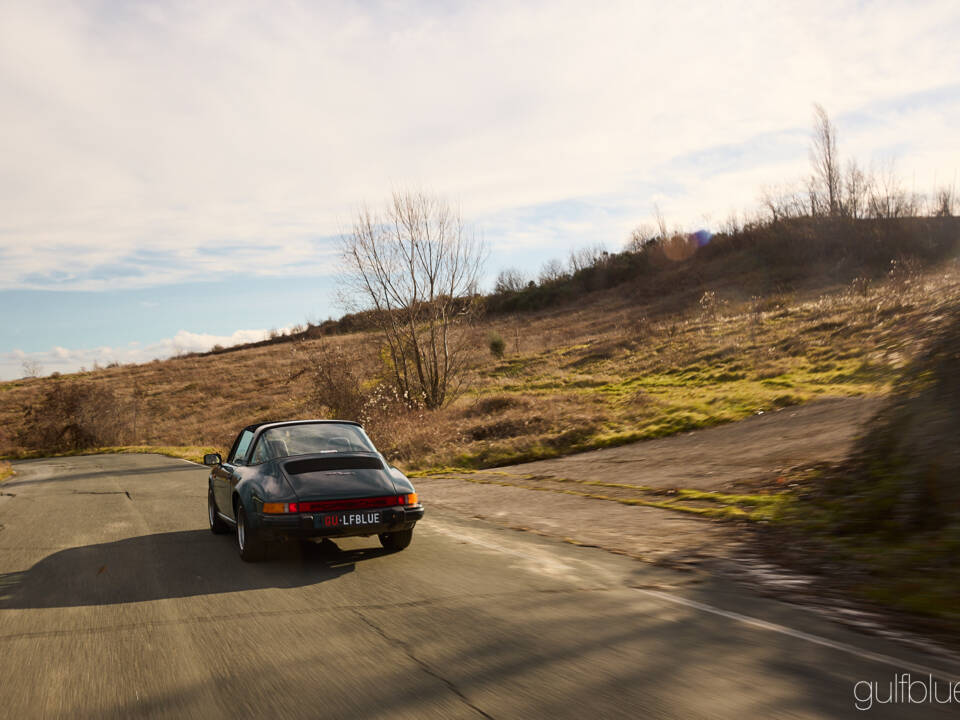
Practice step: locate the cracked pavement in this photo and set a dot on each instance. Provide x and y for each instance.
(116, 601)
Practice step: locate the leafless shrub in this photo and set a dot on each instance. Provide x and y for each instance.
(552, 271)
(337, 382)
(496, 344)
(782, 202)
(73, 416)
(31, 368)
(903, 275)
(732, 225)
(857, 187)
(494, 404)
(663, 231)
(888, 198)
(643, 328)
(586, 257)
(945, 201)
(860, 286)
(640, 236)
(708, 304)
(510, 280)
(349, 391)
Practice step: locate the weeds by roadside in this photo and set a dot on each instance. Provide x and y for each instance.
(716, 505)
(192, 453)
(886, 522)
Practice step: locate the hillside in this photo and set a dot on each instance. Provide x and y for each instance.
(885, 523)
(766, 318)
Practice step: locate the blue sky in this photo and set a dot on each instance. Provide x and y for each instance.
(176, 174)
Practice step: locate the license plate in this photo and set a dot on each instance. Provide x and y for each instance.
(333, 521)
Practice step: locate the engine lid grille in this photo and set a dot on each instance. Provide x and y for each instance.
(334, 462)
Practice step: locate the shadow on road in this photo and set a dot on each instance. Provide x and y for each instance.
(529, 655)
(96, 474)
(169, 565)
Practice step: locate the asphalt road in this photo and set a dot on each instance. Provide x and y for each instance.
(116, 601)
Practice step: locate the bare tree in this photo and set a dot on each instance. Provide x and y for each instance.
(31, 368)
(640, 236)
(586, 257)
(551, 271)
(856, 191)
(944, 201)
(888, 198)
(662, 230)
(509, 280)
(814, 198)
(783, 202)
(417, 268)
(826, 160)
(732, 225)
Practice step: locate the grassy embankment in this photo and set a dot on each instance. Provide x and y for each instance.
(640, 345)
(649, 379)
(886, 522)
(722, 506)
(610, 372)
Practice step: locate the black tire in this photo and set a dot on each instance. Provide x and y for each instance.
(217, 525)
(249, 542)
(396, 541)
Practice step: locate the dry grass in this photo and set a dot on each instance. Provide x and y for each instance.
(723, 506)
(192, 453)
(606, 371)
(6, 470)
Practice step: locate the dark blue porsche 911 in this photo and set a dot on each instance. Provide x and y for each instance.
(308, 479)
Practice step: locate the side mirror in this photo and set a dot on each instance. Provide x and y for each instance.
(212, 459)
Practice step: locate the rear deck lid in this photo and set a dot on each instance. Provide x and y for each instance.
(334, 476)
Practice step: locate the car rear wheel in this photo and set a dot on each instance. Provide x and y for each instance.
(249, 541)
(396, 541)
(217, 525)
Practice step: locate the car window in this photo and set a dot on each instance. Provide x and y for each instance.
(261, 453)
(309, 438)
(243, 445)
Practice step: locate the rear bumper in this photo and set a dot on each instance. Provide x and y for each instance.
(308, 525)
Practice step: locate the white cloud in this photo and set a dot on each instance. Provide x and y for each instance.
(233, 140)
(64, 360)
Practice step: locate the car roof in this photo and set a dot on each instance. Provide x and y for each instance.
(269, 424)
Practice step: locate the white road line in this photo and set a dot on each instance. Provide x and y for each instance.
(469, 536)
(799, 634)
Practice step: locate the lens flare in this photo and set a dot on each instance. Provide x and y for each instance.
(702, 237)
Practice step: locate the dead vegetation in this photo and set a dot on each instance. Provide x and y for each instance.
(608, 371)
(72, 416)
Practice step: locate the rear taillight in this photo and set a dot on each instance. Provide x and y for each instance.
(280, 508)
(354, 503)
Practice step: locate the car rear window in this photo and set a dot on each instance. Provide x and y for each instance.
(288, 440)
